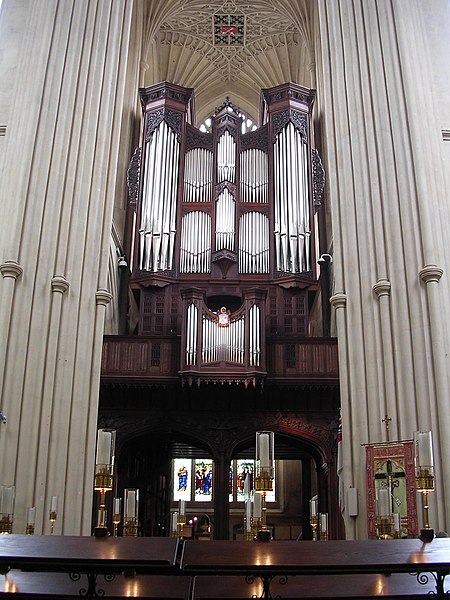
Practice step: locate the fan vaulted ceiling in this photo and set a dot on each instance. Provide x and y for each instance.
(231, 48)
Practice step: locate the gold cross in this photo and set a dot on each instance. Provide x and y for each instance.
(387, 420)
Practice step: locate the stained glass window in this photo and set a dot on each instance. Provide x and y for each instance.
(182, 476)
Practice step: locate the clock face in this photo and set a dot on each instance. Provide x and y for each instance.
(229, 30)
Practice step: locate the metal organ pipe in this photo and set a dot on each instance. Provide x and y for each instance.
(255, 337)
(254, 175)
(158, 215)
(253, 243)
(191, 335)
(195, 247)
(225, 214)
(291, 205)
(222, 343)
(226, 158)
(198, 175)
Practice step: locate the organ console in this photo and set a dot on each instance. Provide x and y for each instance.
(225, 218)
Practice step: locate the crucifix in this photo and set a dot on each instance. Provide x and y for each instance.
(386, 421)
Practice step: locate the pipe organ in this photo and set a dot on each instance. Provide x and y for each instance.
(229, 212)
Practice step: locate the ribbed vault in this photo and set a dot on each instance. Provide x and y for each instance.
(274, 44)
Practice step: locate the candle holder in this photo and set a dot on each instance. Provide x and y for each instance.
(131, 522)
(31, 519)
(265, 461)
(313, 519)
(117, 514)
(385, 527)
(104, 475)
(248, 525)
(424, 472)
(174, 525)
(384, 516)
(53, 514)
(7, 495)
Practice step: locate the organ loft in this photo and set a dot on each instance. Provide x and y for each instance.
(229, 293)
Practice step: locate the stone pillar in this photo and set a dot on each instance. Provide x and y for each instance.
(384, 168)
(61, 169)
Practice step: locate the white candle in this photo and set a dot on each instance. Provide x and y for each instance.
(247, 486)
(174, 521)
(257, 506)
(131, 504)
(31, 518)
(324, 523)
(264, 450)
(425, 449)
(383, 502)
(117, 506)
(103, 447)
(182, 507)
(396, 522)
(313, 507)
(7, 499)
(54, 504)
(248, 515)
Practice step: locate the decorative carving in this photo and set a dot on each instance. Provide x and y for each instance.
(59, 284)
(431, 273)
(318, 178)
(198, 139)
(298, 119)
(259, 138)
(154, 119)
(231, 187)
(382, 287)
(133, 174)
(102, 297)
(11, 268)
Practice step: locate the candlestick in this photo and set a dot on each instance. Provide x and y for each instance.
(131, 523)
(7, 495)
(117, 512)
(31, 519)
(424, 468)
(53, 513)
(323, 526)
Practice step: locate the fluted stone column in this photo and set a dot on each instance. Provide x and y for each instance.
(384, 175)
(61, 171)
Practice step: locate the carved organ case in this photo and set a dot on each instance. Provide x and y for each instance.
(225, 221)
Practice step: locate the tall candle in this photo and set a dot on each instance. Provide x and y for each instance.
(383, 502)
(425, 449)
(103, 447)
(324, 523)
(182, 507)
(396, 522)
(131, 504)
(263, 439)
(7, 499)
(248, 515)
(54, 504)
(257, 506)
(247, 486)
(31, 517)
(313, 507)
(174, 521)
(117, 506)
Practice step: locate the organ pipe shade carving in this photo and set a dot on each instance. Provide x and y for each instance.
(159, 200)
(226, 158)
(254, 175)
(253, 243)
(195, 248)
(198, 174)
(225, 217)
(292, 230)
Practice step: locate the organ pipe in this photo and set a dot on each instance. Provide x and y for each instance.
(292, 231)
(198, 172)
(254, 176)
(195, 248)
(159, 201)
(223, 343)
(191, 334)
(253, 243)
(225, 216)
(226, 158)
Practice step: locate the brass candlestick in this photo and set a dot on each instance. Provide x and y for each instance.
(424, 471)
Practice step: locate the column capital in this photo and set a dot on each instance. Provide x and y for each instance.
(11, 268)
(382, 287)
(431, 273)
(102, 297)
(59, 284)
(338, 300)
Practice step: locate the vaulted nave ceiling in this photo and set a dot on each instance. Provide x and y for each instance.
(231, 48)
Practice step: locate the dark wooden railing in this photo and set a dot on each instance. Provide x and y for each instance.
(157, 359)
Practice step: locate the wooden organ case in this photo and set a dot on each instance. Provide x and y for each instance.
(224, 258)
